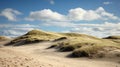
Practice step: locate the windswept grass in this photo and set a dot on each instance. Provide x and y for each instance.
(80, 45)
(85, 46)
(113, 38)
(76, 35)
(86, 51)
(35, 36)
(3, 38)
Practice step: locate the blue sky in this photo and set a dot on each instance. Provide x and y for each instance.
(95, 17)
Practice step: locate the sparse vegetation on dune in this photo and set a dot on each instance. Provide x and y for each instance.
(80, 45)
(3, 38)
(86, 46)
(113, 38)
(34, 36)
(74, 35)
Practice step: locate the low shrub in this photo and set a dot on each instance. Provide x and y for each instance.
(52, 46)
(61, 38)
(67, 48)
(80, 53)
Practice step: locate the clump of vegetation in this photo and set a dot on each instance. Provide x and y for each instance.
(86, 51)
(61, 38)
(52, 46)
(3, 38)
(113, 38)
(67, 48)
(79, 53)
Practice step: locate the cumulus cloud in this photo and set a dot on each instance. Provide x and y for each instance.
(10, 14)
(12, 30)
(106, 15)
(107, 3)
(76, 14)
(100, 30)
(46, 15)
(52, 18)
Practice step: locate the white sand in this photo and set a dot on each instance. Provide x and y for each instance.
(36, 55)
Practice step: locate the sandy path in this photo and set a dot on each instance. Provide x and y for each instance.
(38, 56)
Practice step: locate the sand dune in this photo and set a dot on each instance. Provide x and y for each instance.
(31, 50)
(38, 56)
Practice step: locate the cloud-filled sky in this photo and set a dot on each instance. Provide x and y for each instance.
(99, 18)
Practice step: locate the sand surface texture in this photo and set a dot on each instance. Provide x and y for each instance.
(36, 55)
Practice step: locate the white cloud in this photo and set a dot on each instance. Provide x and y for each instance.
(13, 32)
(106, 3)
(23, 29)
(52, 18)
(100, 30)
(52, 2)
(10, 14)
(59, 24)
(46, 15)
(17, 26)
(106, 15)
(91, 15)
(105, 24)
(16, 30)
(76, 14)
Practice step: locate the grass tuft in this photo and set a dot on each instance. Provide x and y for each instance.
(3, 38)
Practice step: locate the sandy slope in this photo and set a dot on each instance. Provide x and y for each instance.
(38, 56)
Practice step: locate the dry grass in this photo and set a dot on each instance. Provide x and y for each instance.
(86, 51)
(113, 38)
(85, 46)
(35, 36)
(80, 45)
(3, 38)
